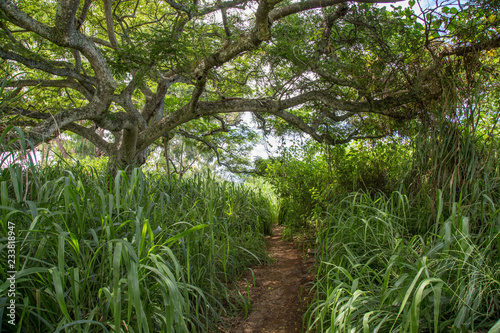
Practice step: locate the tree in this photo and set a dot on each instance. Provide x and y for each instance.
(334, 70)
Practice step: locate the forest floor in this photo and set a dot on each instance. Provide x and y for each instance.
(279, 296)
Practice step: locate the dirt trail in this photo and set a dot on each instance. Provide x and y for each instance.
(278, 294)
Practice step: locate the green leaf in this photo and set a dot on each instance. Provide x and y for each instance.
(59, 288)
(495, 328)
(175, 238)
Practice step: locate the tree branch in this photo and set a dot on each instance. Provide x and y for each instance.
(101, 42)
(24, 112)
(223, 127)
(52, 83)
(21, 19)
(297, 7)
(72, 39)
(278, 107)
(222, 5)
(92, 136)
(116, 121)
(462, 50)
(65, 17)
(225, 22)
(46, 67)
(259, 33)
(108, 13)
(83, 14)
(324, 45)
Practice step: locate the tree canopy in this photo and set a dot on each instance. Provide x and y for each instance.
(146, 70)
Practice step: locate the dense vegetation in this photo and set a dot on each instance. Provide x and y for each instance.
(407, 231)
(140, 252)
(130, 76)
(389, 165)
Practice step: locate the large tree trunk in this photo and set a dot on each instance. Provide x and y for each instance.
(125, 157)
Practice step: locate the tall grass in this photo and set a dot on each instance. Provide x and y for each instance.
(426, 258)
(139, 253)
(374, 276)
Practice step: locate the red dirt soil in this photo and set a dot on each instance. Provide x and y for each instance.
(279, 295)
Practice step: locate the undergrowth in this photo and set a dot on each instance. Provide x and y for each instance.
(407, 229)
(375, 276)
(137, 253)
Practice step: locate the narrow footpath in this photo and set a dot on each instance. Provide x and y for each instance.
(279, 295)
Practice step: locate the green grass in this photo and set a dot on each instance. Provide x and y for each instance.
(425, 258)
(374, 276)
(139, 253)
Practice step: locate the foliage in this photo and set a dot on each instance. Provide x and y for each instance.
(306, 180)
(298, 183)
(373, 275)
(456, 153)
(426, 256)
(139, 253)
(126, 75)
(369, 166)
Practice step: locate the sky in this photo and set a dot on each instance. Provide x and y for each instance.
(403, 4)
